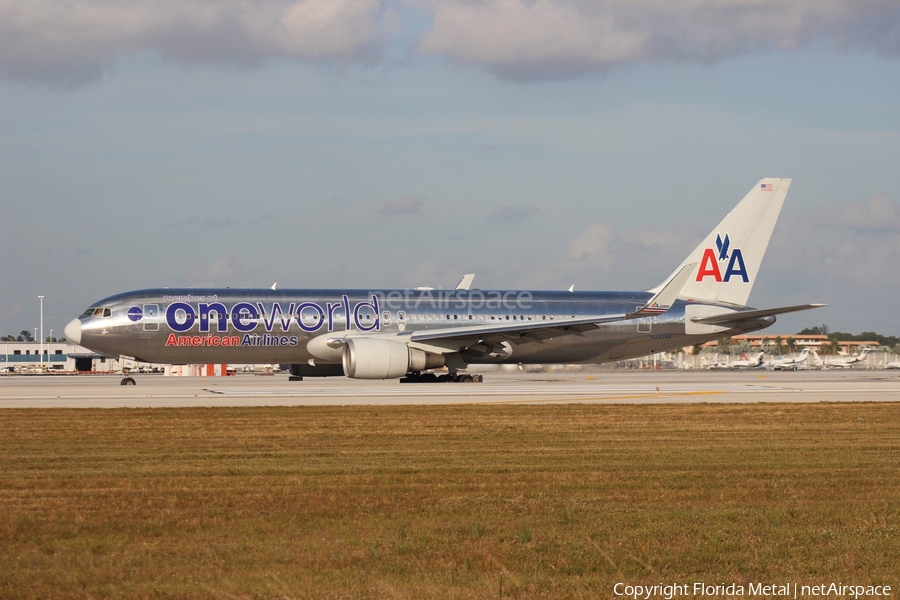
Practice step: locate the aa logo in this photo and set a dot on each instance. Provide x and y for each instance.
(709, 264)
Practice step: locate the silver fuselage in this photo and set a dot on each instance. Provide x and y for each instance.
(190, 326)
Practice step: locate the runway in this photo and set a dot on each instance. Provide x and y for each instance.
(636, 387)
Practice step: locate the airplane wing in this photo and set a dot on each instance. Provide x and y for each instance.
(537, 331)
(456, 338)
(744, 315)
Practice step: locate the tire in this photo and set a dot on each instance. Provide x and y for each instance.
(128, 381)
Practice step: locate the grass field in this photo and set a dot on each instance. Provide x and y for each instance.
(444, 502)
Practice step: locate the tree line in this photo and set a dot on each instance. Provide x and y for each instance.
(884, 341)
(26, 336)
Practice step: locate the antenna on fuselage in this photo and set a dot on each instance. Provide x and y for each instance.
(274, 284)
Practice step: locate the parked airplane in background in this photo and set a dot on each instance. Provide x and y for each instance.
(892, 365)
(839, 363)
(747, 363)
(385, 334)
(741, 363)
(789, 364)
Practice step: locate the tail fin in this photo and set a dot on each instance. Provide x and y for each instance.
(729, 258)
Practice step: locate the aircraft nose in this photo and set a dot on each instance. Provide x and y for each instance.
(73, 331)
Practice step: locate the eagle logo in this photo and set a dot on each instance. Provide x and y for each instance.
(723, 246)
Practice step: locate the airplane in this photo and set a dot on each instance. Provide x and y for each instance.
(742, 361)
(789, 364)
(746, 363)
(421, 335)
(839, 363)
(892, 365)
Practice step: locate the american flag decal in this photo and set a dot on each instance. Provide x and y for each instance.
(766, 187)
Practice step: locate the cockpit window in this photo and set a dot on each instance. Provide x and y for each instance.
(97, 312)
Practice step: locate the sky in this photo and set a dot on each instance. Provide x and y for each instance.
(381, 144)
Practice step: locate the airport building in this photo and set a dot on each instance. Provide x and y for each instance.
(34, 357)
(813, 342)
(62, 357)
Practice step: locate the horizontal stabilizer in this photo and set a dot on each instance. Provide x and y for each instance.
(744, 315)
(666, 296)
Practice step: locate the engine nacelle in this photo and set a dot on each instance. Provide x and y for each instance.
(377, 358)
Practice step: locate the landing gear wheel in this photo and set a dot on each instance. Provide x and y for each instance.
(295, 378)
(128, 381)
(465, 378)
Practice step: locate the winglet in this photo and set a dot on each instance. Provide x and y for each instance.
(668, 293)
(466, 282)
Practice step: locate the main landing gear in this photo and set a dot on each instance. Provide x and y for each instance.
(446, 378)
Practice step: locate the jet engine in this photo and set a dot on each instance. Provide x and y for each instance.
(377, 358)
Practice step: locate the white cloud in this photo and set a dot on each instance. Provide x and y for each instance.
(551, 39)
(72, 42)
(842, 250)
(434, 273)
(512, 215)
(75, 41)
(880, 213)
(224, 271)
(409, 204)
(602, 257)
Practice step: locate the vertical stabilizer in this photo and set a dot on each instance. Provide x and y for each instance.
(728, 259)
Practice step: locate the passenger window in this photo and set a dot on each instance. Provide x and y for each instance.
(386, 317)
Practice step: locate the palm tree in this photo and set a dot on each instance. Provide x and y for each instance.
(831, 347)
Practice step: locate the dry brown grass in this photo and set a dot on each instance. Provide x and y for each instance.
(444, 502)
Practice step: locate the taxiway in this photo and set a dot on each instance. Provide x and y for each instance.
(154, 391)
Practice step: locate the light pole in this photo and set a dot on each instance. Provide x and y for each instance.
(42, 329)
